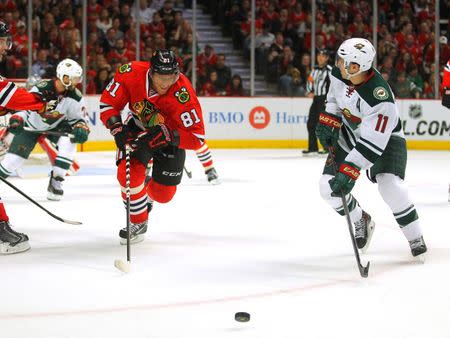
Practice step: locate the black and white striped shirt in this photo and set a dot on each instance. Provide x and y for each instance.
(319, 81)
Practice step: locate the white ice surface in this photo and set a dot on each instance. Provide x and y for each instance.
(263, 242)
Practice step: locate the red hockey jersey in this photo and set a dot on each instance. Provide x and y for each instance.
(179, 108)
(15, 98)
(446, 76)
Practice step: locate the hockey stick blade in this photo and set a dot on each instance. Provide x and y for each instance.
(364, 270)
(188, 173)
(122, 266)
(38, 205)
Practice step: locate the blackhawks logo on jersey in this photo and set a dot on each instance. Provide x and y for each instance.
(147, 113)
(125, 68)
(380, 93)
(352, 120)
(182, 95)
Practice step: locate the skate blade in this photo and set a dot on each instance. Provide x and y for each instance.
(133, 240)
(6, 249)
(371, 228)
(421, 258)
(215, 182)
(52, 197)
(313, 154)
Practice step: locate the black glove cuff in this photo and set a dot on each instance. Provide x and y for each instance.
(113, 122)
(176, 138)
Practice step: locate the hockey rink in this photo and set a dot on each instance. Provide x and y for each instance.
(262, 242)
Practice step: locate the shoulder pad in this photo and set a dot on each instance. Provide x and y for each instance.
(376, 90)
(74, 94)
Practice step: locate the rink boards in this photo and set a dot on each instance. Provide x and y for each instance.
(261, 122)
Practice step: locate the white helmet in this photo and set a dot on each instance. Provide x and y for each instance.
(71, 69)
(356, 50)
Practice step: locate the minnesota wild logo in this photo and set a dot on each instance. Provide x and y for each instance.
(352, 120)
(359, 46)
(380, 93)
(182, 95)
(147, 113)
(52, 116)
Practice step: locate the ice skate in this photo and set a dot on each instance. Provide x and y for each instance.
(11, 241)
(211, 175)
(363, 231)
(55, 190)
(137, 233)
(309, 153)
(418, 248)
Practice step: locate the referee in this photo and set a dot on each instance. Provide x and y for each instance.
(317, 88)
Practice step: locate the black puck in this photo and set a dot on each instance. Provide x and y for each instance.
(242, 317)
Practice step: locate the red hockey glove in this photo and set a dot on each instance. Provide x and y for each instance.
(327, 130)
(157, 137)
(15, 124)
(345, 179)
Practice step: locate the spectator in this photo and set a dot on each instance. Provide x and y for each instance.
(101, 80)
(223, 73)
(235, 87)
(209, 87)
(416, 82)
(402, 87)
(145, 12)
(109, 41)
(104, 21)
(263, 41)
(90, 85)
(167, 13)
(291, 83)
(41, 66)
(120, 53)
(206, 61)
(157, 25)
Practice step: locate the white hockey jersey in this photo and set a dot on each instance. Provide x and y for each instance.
(70, 108)
(369, 114)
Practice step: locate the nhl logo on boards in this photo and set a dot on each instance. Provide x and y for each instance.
(380, 93)
(182, 95)
(415, 111)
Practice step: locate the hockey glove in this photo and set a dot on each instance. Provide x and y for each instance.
(327, 130)
(80, 132)
(446, 97)
(345, 179)
(120, 134)
(15, 124)
(157, 137)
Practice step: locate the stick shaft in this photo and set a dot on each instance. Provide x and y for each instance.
(127, 192)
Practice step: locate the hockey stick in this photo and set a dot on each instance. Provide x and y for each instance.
(189, 173)
(37, 204)
(118, 263)
(49, 132)
(363, 270)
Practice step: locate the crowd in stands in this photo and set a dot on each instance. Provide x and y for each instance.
(406, 40)
(405, 50)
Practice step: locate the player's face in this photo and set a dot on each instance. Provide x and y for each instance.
(162, 82)
(322, 59)
(352, 69)
(5, 44)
